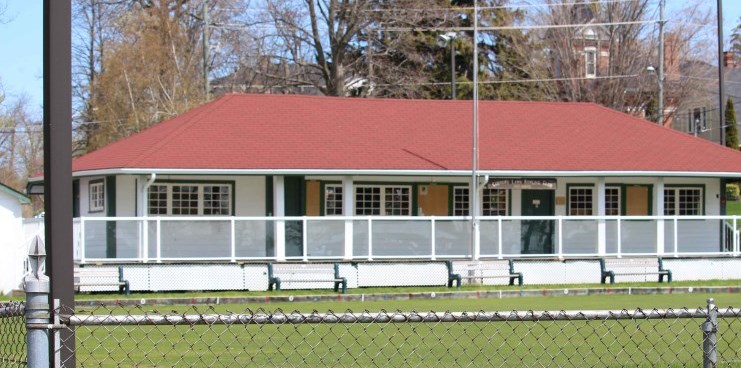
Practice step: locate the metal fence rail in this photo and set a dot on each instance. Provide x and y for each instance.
(12, 335)
(211, 337)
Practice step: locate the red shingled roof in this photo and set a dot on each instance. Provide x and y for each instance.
(307, 132)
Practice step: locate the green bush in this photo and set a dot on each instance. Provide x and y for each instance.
(733, 192)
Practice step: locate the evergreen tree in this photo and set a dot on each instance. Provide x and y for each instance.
(731, 127)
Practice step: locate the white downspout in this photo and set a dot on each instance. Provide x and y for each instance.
(144, 205)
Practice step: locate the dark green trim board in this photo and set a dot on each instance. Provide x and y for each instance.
(76, 198)
(415, 200)
(110, 204)
(269, 228)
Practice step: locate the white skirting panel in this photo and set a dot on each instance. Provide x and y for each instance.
(704, 269)
(197, 277)
(402, 274)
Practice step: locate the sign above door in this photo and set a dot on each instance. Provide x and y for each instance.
(521, 183)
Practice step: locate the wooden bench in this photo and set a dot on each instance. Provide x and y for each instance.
(633, 266)
(305, 273)
(101, 276)
(482, 270)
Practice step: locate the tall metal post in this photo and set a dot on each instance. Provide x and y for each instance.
(721, 77)
(58, 158)
(452, 69)
(38, 316)
(206, 82)
(474, 191)
(710, 337)
(660, 119)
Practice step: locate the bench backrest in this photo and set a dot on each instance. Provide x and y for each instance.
(631, 263)
(502, 266)
(303, 268)
(82, 274)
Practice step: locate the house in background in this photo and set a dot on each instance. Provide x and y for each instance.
(12, 242)
(286, 177)
(698, 114)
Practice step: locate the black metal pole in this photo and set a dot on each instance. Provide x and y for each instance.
(721, 79)
(58, 161)
(452, 69)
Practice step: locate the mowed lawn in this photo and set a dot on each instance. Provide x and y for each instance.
(670, 342)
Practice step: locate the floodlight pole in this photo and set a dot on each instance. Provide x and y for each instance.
(660, 118)
(474, 192)
(57, 82)
(721, 79)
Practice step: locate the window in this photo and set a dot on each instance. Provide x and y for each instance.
(494, 202)
(590, 62)
(333, 200)
(581, 201)
(683, 201)
(157, 198)
(216, 200)
(698, 121)
(383, 200)
(612, 201)
(96, 191)
(460, 201)
(190, 199)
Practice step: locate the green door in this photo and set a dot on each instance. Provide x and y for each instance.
(537, 235)
(295, 199)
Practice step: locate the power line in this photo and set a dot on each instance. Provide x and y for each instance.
(513, 81)
(516, 6)
(502, 28)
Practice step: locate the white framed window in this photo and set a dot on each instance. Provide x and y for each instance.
(96, 196)
(683, 201)
(217, 200)
(590, 62)
(581, 201)
(461, 200)
(333, 200)
(387, 200)
(157, 200)
(612, 201)
(494, 202)
(190, 199)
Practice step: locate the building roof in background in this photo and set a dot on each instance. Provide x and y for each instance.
(22, 198)
(295, 132)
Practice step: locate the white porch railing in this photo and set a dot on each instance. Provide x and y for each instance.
(188, 239)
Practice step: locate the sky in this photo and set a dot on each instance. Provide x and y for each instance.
(21, 42)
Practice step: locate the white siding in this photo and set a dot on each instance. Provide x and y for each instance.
(11, 243)
(126, 195)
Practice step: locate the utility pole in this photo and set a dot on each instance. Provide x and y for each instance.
(206, 83)
(474, 191)
(452, 69)
(721, 79)
(660, 119)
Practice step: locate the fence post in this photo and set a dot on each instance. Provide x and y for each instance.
(37, 288)
(709, 337)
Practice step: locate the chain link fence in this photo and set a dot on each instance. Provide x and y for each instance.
(12, 335)
(211, 337)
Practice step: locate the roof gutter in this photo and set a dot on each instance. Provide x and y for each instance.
(401, 172)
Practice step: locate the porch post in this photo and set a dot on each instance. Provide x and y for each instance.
(348, 209)
(279, 210)
(601, 225)
(659, 210)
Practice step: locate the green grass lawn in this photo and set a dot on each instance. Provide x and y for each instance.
(733, 208)
(632, 343)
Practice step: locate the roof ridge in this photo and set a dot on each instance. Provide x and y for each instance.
(180, 128)
(402, 100)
